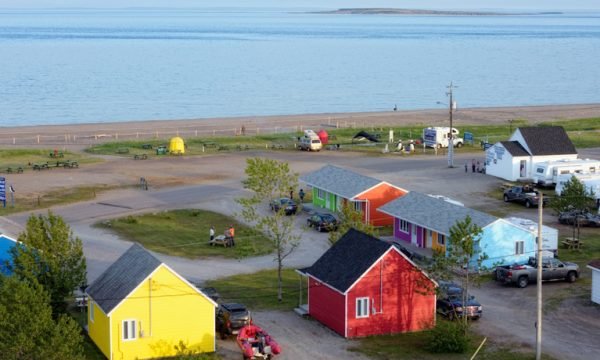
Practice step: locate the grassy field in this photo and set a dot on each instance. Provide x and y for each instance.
(412, 346)
(185, 233)
(52, 198)
(258, 291)
(25, 158)
(583, 133)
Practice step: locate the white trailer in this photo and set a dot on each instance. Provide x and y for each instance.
(549, 235)
(546, 173)
(590, 181)
(437, 137)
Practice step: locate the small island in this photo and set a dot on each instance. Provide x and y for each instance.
(392, 11)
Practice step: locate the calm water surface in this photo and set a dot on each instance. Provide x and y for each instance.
(92, 66)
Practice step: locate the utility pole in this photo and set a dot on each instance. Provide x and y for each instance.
(451, 107)
(538, 328)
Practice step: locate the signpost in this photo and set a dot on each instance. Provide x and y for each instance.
(468, 137)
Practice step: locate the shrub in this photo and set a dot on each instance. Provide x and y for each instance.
(448, 337)
(130, 220)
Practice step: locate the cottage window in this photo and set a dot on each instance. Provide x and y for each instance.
(357, 206)
(320, 194)
(91, 311)
(362, 307)
(441, 239)
(129, 332)
(404, 226)
(519, 247)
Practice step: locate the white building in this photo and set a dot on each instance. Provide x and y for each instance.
(595, 266)
(514, 159)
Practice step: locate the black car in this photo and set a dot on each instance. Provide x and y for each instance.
(231, 317)
(450, 302)
(322, 222)
(288, 205)
(583, 218)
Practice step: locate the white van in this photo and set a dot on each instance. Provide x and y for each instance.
(312, 143)
(438, 137)
(546, 173)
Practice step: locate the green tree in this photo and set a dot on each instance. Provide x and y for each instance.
(351, 218)
(27, 328)
(573, 196)
(268, 180)
(461, 259)
(51, 256)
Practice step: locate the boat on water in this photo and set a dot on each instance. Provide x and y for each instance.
(257, 343)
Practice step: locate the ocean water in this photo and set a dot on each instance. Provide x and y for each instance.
(77, 66)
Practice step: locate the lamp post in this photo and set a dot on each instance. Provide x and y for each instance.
(451, 109)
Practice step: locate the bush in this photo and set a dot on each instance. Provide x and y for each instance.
(448, 337)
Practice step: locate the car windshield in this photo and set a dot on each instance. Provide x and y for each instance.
(328, 218)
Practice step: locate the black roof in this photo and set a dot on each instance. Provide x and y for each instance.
(514, 148)
(349, 258)
(547, 140)
(122, 277)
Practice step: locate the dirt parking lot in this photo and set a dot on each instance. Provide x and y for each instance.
(571, 327)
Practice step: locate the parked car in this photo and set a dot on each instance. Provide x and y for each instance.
(523, 274)
(322, 222)
(583, 218)
(231, 317)
(211, 292)
(523, 194)
(450, 302)
(288, 205)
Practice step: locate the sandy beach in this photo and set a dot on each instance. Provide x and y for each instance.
(98, 132)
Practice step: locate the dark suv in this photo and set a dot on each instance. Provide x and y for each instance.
(450, 302)
(231, 318)
(322, 222)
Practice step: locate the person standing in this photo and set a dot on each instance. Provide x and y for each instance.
(473, 165)
(232, 235)
(291, 194)
(211, 233)
(301, 195)
(466, 167)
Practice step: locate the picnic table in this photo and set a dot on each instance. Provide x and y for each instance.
(572, 243)
(39, 167)
(140, 157)
(123, 150)
(147, 146)
(220, 240)
(10, 170)
(70, 164)
(56, 154)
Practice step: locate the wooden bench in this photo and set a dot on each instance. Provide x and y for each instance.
(210, 144)
(123, 150)
(140, 157)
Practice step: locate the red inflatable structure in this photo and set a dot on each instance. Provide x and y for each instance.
(257, 343)
(323, 136)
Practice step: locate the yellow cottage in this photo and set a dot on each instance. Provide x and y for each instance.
(140, 308)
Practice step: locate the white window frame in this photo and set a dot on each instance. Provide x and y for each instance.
(362, 307)
(321, 194)
(91, 311)
(403, 226)
(131, 326)
(358, 206)
(441, 239)
(519, 247)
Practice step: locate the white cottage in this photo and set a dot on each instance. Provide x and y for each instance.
(514, 159)
(595, 266)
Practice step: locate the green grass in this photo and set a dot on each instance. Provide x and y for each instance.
(53, 198)
(412, 346)
(185, 233)
(15, 158)
(90, 350)
(258, 291)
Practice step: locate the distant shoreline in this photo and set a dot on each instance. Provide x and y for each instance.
(393, 11)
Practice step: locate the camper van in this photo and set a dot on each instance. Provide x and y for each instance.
(546, 173)
(590, 181)
(437, 137)
(310, 141)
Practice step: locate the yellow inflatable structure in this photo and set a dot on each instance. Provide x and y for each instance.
(176, 146)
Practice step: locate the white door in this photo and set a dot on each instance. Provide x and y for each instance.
(429, 239)
(413, 238)
(328, 200)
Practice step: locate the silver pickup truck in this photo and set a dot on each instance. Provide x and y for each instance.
(522, 275)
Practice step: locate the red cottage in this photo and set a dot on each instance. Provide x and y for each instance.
(363, 286)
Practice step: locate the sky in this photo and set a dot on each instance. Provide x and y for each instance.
(329, 4)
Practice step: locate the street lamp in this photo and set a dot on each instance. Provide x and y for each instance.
(451, 108)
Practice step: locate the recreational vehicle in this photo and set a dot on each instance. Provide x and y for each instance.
(437, 137)
(590, 181)
(546, 173)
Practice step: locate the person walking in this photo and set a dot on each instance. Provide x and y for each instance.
(301, 195)
(466, 167)
(211, 233)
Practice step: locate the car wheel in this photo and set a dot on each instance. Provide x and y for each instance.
(571, 276)
(459, 145)
(528, 204)
(505, 198)
(523, 282)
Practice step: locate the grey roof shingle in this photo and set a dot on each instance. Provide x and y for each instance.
(514, 148)
(349, 258)
(339, 181)
(547, 140)
(432, 213)
(122, 277)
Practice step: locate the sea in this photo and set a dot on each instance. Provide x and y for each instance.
(68, 66)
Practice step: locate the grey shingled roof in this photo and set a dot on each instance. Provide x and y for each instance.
(432, 213)
(122, 277)
(547, 140)
(346, 261)
(514, 148)
(339, 181)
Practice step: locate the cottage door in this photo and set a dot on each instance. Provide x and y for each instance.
(429, 239)
(328, 201)
(413, 238)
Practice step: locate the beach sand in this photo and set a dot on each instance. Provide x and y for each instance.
(98, 132)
